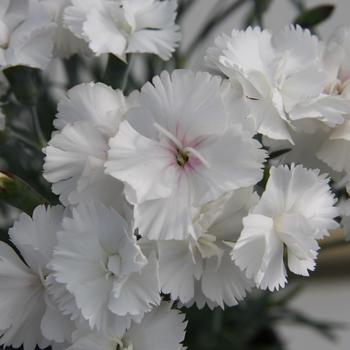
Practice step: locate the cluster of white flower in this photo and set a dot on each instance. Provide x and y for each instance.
(159, 189)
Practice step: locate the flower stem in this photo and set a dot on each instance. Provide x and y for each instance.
(37, 127)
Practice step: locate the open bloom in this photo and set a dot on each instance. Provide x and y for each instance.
(28, 314)
(160, 329)
(282, 76)
(296, 209)
(66, 43)
(26, 34)
(125, 26)
(102, 266)
(87, 118)
(200, 269)
(335, 149)
(179, 149)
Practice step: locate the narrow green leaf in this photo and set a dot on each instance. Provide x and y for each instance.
(115, 72)
(19, 194)
(279, 153)
(314, 16)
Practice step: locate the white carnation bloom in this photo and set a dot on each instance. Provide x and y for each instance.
(296, 209)
(28, 314)
(305, 151)
(335, 149)
(87, 118)
(102, 266)
(200, 270)
(162, 328)
(125, 26)
(282, 77)
(65, 42)
(180, 149)
(26, 34)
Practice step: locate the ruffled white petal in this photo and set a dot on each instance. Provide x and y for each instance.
(36, 236)
(178, 269)
(225, 284)
(235, 161)
(334, 151)
(125, 26)
(96, 259)
(163, 329)
(259, 252)
(74, 16)
(302, 191)
(140, 293)
(132, 154)
(96, 103)
(22, 302)
(31, 33)
(66, 43)
(74, 163)
(103, 34)
(228, 212)
(282, 75)
(168, 218)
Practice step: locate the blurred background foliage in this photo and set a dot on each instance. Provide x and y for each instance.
(30, 103)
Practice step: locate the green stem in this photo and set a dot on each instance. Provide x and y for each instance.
(127, 72)
(115, 70)
(258, 13)
(216, 20)
(37, 127)
(25, 140)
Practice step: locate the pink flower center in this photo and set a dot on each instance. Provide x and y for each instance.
(184, 155)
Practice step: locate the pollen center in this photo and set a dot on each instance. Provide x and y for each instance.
(182, 157)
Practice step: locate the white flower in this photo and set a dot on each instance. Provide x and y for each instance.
(87, 118)
(305, 151)
(66, 43)
(101, 265)
(28, 315)
(200, 270)
(334, 151)
(296, 209)
(125, 26)
(26, 34)
(180, 149)
(162, 329)
(282, 76)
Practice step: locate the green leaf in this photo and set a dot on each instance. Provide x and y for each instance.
(314, 16)
(17, 193)
(279, 153)
(24, 82)
(115, 72)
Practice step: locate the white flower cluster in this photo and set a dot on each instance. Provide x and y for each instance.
(34, 31)
(159, 189)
